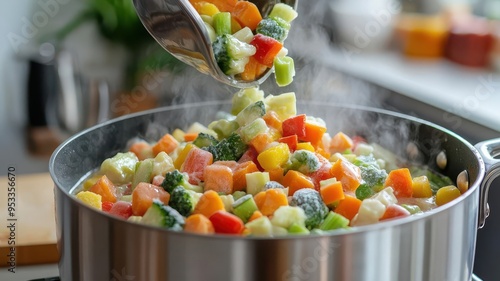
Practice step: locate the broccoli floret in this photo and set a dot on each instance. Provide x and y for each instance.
(373, 176)
(273, 27)
(303, 161)
(310, 201)
(182, 200)
(203, 140)
(232, 54)
(272, 185)
(231, 148)
(174, 179)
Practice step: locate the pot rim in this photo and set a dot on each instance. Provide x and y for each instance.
(339, 232)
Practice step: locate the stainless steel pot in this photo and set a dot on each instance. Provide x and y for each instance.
(438, 245)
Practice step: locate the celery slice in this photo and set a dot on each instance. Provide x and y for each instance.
(334, 221)
(284, 70)
(222, 23)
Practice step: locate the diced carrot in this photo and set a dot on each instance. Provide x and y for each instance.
(194, 165)
(190, 136)
(105, 188)
(314, 133)
(348, 207)
(218, 178)
(273, 121)
(209, 203)
(253, 70)
(261, 141)
(277, 174)
(295, 125)
(291, 141)
(295, 180)
(222, 5)
(340, 142)
(347, 173)
(257, 214)
(247, 14)
(239, 178)
(332, 193)
(198, 223)
(142, 150)
(167, 143)
(401, 182)
(321, 151)
(181, 157)
(143, 195)
(270, 201)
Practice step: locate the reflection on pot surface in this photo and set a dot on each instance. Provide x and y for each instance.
(437, 245)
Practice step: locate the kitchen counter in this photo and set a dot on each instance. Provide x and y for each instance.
(32, 227)
(472, 94)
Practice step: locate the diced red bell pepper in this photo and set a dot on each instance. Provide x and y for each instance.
(122, 209)
(291, 141)
(295, 125)
(267, 48)
(227, 223)
(322, 173)
(251, 155)
(106, 206)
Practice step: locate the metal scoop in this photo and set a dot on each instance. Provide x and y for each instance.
(179, 29)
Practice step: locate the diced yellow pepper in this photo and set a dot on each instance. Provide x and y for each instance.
(235, 25)
(273, 157)
(90, 198)
(182, 155)
(87, 184)
(306, 146)
(446, 194)
(421, 187)
(205, 8)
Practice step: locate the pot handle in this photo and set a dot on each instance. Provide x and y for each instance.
(489, 150)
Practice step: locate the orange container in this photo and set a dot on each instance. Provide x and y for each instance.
(423, 36)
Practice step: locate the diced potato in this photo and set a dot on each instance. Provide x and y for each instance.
(90, 198)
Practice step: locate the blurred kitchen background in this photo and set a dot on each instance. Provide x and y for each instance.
(69, 64)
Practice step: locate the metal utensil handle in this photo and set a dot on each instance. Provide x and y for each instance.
(489, 150)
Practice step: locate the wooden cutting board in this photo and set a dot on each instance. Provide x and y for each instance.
(34, 227)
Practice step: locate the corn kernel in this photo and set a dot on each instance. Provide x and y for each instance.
(91, 199)
(273, 157)
(446, 194)
(421, 187)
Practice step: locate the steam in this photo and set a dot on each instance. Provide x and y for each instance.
(309, 43)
